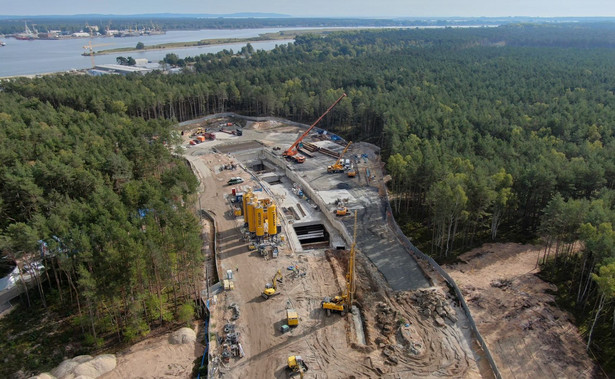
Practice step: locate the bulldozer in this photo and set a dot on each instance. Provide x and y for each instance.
(271, 288)
(296, 365)
(343, 303)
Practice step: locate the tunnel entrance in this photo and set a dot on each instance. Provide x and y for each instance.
(312, 236)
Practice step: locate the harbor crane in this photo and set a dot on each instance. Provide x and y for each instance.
(292, 151)
(343, 303)
(90, 50)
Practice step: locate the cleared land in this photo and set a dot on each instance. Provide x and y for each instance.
(515, 313)
(408, 332)
(402, 339)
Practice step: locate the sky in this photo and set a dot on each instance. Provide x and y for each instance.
(321, 8)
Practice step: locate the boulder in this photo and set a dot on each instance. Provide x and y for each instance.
(64, 368)
(44, 375)
(96, 367)
(82, 358)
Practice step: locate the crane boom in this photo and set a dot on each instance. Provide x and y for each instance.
(292, 150)
(350, 283)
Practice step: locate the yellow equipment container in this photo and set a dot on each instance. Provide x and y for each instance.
(246, 199)
(251, 221)
(292, 318)
(259, 216)
(272, 220)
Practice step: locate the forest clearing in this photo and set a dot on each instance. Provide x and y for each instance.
(479, 135)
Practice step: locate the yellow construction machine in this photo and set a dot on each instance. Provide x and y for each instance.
(338, 166)
(341, 211)
(296, 365)
(271, 288)
(342, 303)
(292, 317)
(352, 172)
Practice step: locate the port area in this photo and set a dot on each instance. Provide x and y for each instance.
(405, 322)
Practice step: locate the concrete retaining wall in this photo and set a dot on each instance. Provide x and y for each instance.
(294, 176)
(420, 255)
(413, 250)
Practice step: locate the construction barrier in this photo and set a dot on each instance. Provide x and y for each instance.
(206, 352)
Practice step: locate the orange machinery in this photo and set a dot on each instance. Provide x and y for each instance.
(292, 152)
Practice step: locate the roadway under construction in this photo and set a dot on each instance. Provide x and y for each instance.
(406, 323)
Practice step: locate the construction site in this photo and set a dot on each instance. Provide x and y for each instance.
(307, 273)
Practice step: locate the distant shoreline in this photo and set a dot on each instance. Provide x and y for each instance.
(282, 35)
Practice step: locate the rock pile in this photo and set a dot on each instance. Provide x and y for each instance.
(386, 318)
(433, 303)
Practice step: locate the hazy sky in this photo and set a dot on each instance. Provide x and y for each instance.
(311, 8)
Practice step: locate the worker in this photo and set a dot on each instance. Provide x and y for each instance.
(237, 268)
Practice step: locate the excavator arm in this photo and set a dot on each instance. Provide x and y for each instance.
(292, 150)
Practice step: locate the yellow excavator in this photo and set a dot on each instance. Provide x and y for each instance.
(342, 303)
(296, 365)
(338, 166)
(271, 288)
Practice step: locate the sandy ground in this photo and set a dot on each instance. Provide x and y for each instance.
(156, 358)
(515, 313)
(402, 341)
(407, 333)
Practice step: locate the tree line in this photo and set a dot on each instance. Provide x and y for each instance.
(102, 203)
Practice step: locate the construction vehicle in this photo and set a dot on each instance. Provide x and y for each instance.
(343, 303)
(352, 172)
(197, 132)
(235, 180)
(296, 365)
(298, 158)
(292, 317)
(292, 150)
(341, 211)
(271, 288)
(338, 166)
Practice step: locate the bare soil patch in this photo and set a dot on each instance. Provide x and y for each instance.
(516, 314)
(157, 358)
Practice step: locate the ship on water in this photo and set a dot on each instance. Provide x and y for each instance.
(27, 34)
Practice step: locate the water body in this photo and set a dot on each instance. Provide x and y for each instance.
(43, 56)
